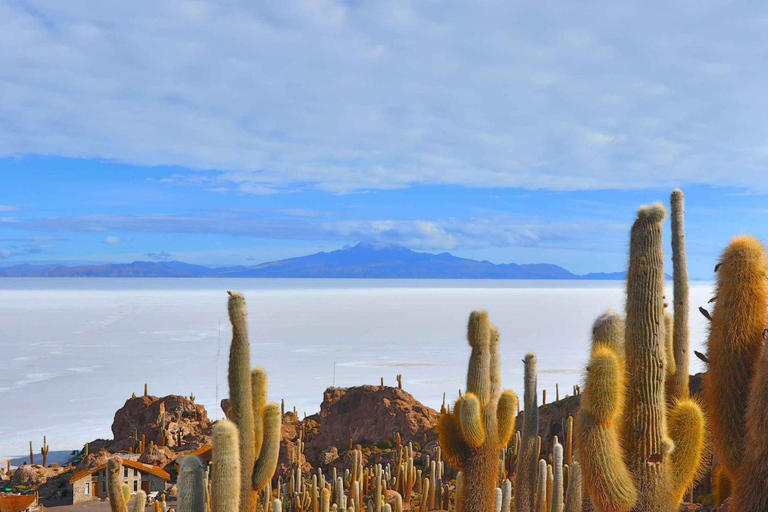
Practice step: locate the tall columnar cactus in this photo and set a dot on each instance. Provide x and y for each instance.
(225, 487)
(626, 453)
(258, 422)
(736, 385)
(525, 477)
(558, 492)
(482, 421)
(574, 499)
(677, 381)
(608, 330)
(140, 501)
(191, 485)
(116, 501)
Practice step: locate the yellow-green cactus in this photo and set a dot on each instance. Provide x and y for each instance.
(482, 420)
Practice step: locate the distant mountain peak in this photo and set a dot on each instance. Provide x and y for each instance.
(362, 260)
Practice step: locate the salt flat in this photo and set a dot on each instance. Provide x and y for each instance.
(73, 350)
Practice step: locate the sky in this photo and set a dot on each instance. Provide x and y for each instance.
(232, 133)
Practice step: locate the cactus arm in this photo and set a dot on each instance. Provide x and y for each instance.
(479, 368)
(495, 364)
(541, 492)
(506, 411)
(670, 364)
(225, 485)
(557, 474)
(686, 428)
(471, 421)
(451, 441)
(607, 479)
(258, 401)
(266, 464)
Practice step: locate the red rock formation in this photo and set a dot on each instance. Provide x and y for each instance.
(145, 415)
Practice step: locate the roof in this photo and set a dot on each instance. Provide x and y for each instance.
(145, 468)
(16, 502)
(204, 452)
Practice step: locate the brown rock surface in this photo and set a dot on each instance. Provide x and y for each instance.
(146, 414)
(367, 414)
(93, 460)
(157, 456)
(31, 476)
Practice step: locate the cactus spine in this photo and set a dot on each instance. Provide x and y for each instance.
(225, 487)
(541, 492)
(525, 478)
(574, 498)
(191, 485)
(116, 501)
(482, 421)
(630, 468)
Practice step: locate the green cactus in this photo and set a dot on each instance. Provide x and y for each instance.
(225, 485)
(116, 500)
(140, 501)
(258, 422)
(191, 484)
(574, 498)
(525, 478)
(631, 467)
(677, 381)
(483, 419)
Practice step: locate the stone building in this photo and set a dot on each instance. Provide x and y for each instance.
(90, 484)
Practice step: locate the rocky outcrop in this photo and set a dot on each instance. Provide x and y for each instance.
(172, 421)
(156, 455)
(93, 460)
(368, 415)
(29, 475)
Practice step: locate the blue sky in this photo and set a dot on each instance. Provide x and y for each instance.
(240, 132)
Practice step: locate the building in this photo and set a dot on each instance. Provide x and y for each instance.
(18, 502)
(90, 484)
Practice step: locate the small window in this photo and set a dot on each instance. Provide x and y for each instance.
(87, 488)
(135, 472)
(125, 472)
(135, 485)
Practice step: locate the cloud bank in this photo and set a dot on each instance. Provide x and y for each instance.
(344, 96)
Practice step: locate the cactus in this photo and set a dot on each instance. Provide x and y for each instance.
(258, 422)
(541, 491)
(225, 487)
(525, 478)
(126, 491)
(44, 451)
(482, 421)
(557, 473)
(626, 451)
(140, 501)
(574, 498)
(677, 382)
(116, 501)
(191, 485)
(736, 385)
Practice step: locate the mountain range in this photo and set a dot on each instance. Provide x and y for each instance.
(360, 261)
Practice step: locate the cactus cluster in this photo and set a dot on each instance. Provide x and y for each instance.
(639, 448)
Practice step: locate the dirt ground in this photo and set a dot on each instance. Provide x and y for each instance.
(97, 506)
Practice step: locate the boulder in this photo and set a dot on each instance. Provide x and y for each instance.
(159, 456)
(94, 459)
(29, 475)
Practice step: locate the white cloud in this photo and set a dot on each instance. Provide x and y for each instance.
(8, 208)
(5, 253)
(112, 240)
(344, 95)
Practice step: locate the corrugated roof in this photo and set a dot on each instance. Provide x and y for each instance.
(16, 502)
(146, 468)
